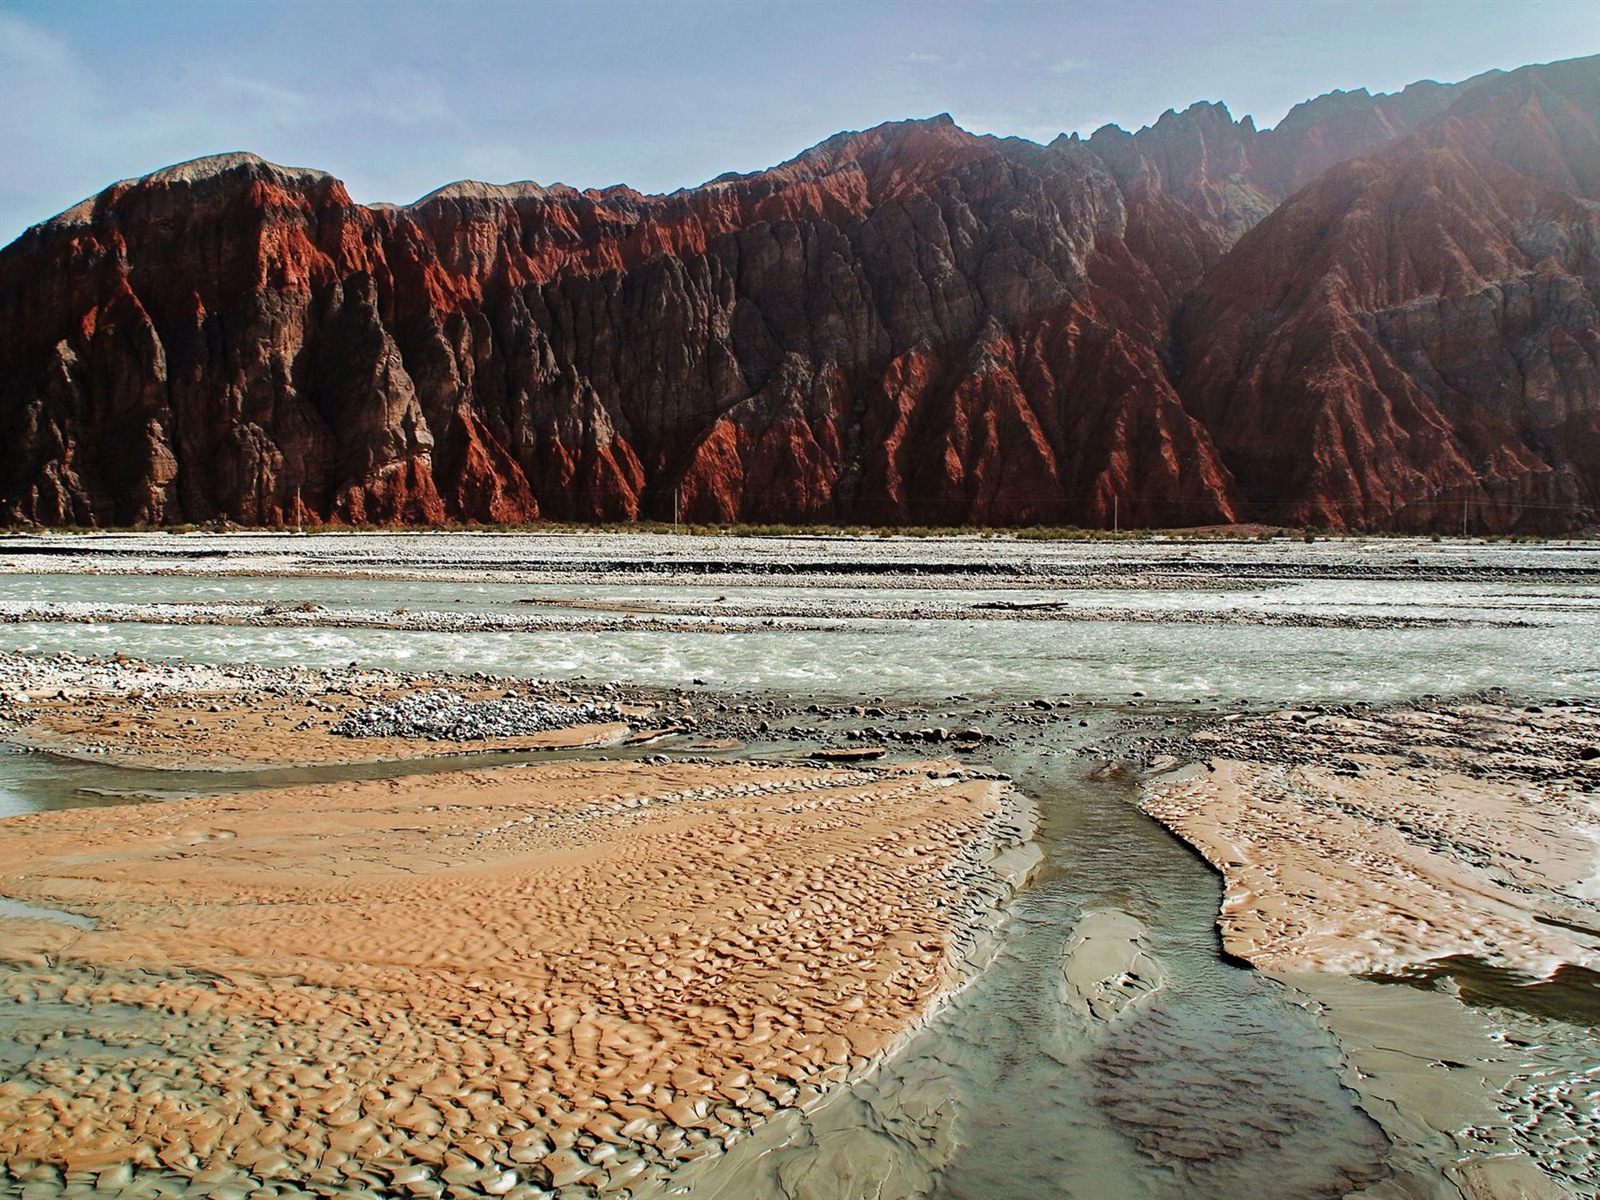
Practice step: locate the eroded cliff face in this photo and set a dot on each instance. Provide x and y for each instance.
(1415, 336)
(910, 324)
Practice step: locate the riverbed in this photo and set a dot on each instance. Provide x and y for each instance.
(1220, 1081)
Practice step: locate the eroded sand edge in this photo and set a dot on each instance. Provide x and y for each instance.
(1390, 841)
(505, 982)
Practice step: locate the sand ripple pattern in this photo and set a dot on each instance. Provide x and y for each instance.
(554, 980)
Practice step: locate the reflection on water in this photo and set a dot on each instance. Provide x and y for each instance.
(32, 912)
(1571, 994)
(44, 1031)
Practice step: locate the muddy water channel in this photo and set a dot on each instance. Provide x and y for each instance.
(1194, 1076)
(1211, 1084)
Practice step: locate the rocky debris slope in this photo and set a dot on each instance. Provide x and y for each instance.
(910, 324)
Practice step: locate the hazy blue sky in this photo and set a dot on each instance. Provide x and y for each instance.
(397, 98)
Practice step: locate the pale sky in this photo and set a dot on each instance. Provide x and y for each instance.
(398, 98)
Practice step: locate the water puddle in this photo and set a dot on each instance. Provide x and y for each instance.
(36, 781)
(43, 1032)
(31, 912)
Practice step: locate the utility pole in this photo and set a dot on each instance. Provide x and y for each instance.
(676, 491)
(1463, 517)
(297, 527)
(1116, 517)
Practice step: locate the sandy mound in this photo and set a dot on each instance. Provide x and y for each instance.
(1375, 841)
(496, 981)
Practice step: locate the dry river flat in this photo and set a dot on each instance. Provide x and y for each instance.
(503, 980)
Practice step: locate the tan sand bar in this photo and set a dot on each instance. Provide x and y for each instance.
(1356, 840)
(1353, 840)
(493, 982)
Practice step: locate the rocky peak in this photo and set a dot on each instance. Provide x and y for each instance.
(490, 193)
(213, 166)
(199, 174)
(1235, 174)
(889, 154)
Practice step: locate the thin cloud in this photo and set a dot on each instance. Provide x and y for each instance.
(270, 102)
(24, 47)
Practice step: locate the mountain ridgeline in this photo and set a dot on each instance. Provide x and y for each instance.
(1379, 315)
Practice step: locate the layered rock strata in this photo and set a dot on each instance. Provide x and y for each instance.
(1197, 323)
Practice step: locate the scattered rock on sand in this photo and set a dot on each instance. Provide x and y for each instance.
(445, 716)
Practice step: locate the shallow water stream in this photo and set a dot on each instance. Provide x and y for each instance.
(1210, 1085)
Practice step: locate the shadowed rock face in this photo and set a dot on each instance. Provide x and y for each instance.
(1414, 334)
(910, 324)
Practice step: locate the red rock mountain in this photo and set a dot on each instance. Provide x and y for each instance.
(1374, 315)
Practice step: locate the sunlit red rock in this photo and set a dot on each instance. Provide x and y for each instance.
(908, 324)
(1413, 338)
